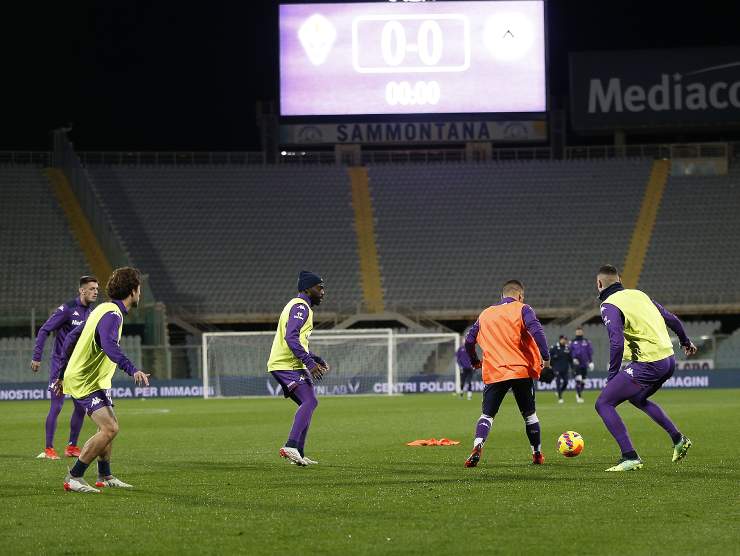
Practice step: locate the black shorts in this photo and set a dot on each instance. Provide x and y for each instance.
(523, 388)
(582, 372)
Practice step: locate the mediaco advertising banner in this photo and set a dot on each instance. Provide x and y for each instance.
(635, 89)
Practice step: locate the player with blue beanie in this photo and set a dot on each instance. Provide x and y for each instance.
(294, 367)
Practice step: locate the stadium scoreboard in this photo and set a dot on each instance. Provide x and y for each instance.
(412, 58)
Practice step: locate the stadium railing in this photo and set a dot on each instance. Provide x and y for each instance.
(669, 150)
(41, 159)
(391, 156)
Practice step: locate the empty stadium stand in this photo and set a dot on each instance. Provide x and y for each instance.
(728, 352)
(41, 260)
(693, 257)
(232, 239)
(450, 235)
(227, 239)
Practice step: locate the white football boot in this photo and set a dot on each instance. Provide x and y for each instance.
(113, 482)
(78, 484)
(293, 455)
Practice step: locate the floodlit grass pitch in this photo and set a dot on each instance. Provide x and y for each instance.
(208, 480)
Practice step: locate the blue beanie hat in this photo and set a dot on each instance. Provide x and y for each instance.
(307, 280)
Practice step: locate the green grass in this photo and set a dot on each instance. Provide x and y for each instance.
(208, 481)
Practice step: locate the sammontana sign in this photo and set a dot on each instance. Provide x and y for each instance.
(414, 132)
(638, 89)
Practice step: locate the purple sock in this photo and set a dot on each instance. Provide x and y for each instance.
(51, 419)
(75, 423)
(483, 427)
(619, 389)
(656, 413)
(302, 419)
(302, 441)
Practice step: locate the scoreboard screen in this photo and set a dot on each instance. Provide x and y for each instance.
(412, 58)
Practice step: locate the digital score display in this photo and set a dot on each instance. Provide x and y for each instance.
(412, 58)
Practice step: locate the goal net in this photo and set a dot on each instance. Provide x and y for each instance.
(370, 361)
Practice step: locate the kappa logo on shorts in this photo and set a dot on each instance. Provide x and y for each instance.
(95, 401)
(628, 370)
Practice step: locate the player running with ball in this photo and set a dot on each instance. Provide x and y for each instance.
(638, 336)
(514, 351)
(294, 367)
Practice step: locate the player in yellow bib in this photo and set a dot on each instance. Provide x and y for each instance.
(638, 335)
(294, 367)
(88, 360)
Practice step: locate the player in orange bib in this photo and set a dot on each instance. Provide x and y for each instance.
(514, 352)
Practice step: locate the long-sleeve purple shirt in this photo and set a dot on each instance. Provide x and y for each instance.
(106, 336)
(530, 321)
(65, 318)
(297, 319)
(463, 359)
(581, 350)
(614, 321)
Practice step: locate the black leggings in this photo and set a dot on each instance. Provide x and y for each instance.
(466, 378)
(523, 388)
(561, 381)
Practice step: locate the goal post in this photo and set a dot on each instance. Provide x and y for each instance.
(366, 361)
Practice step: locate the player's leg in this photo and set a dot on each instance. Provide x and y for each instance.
(305, 397)
(289, 381)
(681, 443)
(561, 383)
(304, 434)
(57, 401)
(523, 389)
(580, 379)
(99, 407)
(105, 477)
(619, 389)
(302, 443)
(75, 426)
(493, 395)
(468, 380)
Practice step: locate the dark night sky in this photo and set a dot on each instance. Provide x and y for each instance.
(164, 76)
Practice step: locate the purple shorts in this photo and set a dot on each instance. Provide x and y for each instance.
(650, 375)
(290, 380)
(96, 400)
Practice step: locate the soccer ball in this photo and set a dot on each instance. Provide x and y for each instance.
(570, 444)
